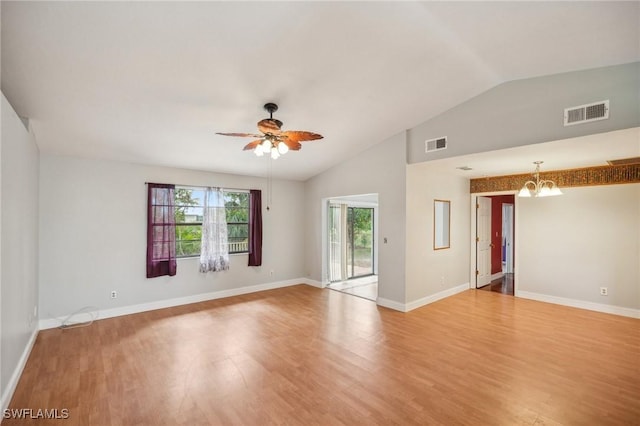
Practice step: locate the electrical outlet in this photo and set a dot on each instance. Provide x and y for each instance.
(442, 281)
(604, 291)
(35, 311)
(114, 294)
(271, 272)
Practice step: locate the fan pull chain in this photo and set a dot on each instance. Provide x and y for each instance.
(269, 183)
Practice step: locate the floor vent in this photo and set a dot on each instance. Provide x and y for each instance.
(436, 144)
(586, 113)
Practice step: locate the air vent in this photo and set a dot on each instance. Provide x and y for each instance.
(436, 144)
(624, 161)
(586, 113)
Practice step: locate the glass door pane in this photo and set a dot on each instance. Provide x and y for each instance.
(360, 241)
(335, 244)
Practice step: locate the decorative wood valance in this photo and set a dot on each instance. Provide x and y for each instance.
(587, 176)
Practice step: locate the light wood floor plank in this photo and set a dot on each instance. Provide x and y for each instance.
(306, 356)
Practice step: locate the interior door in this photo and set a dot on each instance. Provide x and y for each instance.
(483, 241)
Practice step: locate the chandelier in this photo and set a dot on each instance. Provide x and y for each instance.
(541, 187)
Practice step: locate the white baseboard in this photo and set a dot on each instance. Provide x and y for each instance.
(582, 304)
(438, 296)
(314, 283)
(497, 275)
(406, 307)
(168, 303)
(391, 304)
(15, 377)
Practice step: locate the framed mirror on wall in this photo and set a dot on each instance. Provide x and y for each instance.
(441, 224)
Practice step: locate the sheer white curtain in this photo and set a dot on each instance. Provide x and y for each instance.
(214, 249)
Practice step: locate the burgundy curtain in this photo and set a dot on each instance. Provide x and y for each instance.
(255, 227)
(161, 230)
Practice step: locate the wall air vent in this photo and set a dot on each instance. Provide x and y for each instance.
(624, 161)
(586, 113)
(435, 144)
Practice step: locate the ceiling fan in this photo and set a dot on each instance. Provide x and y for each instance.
(273, 140)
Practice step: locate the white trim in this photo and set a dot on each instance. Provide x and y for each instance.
(437, 296)
(313, 283)
(161, 304)
(406, 307)
(582, 304)
(391, 304)
(15, 377)
(496, 276)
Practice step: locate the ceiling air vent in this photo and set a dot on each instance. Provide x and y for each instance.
(624, 161)
(436, 144)
(586, 113)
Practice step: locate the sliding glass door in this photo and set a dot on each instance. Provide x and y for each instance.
(350, 241)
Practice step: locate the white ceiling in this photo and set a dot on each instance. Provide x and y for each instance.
(151, 82)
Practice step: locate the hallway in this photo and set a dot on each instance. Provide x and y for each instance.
(502, 285)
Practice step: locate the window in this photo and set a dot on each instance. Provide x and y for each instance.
(189, 211)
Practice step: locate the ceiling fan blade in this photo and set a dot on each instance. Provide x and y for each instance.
(270, 125)
(252, 145)
(241, 135)
(300, 136)
(293, 145)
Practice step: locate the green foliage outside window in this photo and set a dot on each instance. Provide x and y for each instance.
(189, 212)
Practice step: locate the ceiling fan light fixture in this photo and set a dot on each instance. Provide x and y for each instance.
(272, 139)
(283, 148)
(274, 153)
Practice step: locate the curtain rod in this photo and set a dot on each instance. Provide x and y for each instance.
(200, 186)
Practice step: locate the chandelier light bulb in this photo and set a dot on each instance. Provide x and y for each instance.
(539, 187)
(266, 145)
(258, 151)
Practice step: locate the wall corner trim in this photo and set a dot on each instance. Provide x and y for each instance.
(391, 304)
(406, 307)
(437, 296)
(581, 304)
(15, 377)
(313, 283)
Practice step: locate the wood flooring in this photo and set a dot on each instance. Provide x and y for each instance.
(306, 356)
(502, 285)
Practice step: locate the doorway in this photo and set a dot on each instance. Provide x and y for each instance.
(351, 243)
(494, 243)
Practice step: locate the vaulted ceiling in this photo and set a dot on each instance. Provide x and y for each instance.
(152, 82)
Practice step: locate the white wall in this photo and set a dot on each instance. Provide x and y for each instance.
(570, 246)
(530, 111)
(432, 271)
(19, 248)
(93, 236)
(380, 170)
